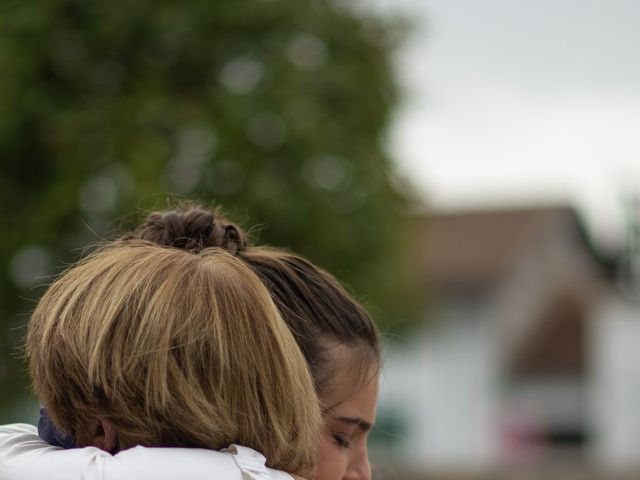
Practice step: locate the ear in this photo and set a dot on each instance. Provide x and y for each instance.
(105, 436)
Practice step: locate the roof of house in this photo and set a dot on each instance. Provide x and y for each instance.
(473, 249)
(467, 252)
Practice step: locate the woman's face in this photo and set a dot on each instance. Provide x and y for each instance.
(349, 413)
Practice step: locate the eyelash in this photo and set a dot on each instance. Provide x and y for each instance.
(341, 441)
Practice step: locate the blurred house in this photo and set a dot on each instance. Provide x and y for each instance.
(528, 354)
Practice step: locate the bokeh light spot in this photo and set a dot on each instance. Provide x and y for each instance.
(307, 52)
(242, 74)
(267, 130)
(30, 266)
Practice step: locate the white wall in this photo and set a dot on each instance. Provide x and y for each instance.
(443, 383)
(615, 388)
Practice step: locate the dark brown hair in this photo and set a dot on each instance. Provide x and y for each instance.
(318, 310)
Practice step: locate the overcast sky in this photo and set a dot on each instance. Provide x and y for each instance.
(514, 101)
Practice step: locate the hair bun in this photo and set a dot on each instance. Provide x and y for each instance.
(193, 229)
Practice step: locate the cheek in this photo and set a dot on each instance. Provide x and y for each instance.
(332, 462)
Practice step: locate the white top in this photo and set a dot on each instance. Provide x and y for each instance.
(25, 456)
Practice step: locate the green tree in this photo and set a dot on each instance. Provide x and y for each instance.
(275, 109)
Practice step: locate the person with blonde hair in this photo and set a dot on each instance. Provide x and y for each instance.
(336, 335)
(145, 345)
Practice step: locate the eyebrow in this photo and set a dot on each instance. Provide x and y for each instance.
(361, 423)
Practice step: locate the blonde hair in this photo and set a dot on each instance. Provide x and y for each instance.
(175, 349)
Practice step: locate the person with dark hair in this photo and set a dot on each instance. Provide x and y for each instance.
(337, 337)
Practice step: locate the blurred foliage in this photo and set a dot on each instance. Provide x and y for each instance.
(275, 109)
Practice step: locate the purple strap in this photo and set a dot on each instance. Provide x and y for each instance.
(50, 434)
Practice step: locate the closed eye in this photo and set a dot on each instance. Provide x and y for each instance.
(341, 441)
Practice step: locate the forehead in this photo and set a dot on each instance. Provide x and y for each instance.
(352, 403)
(353, 387)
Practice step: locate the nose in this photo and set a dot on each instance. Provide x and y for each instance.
(359, 472)
(359, 467)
